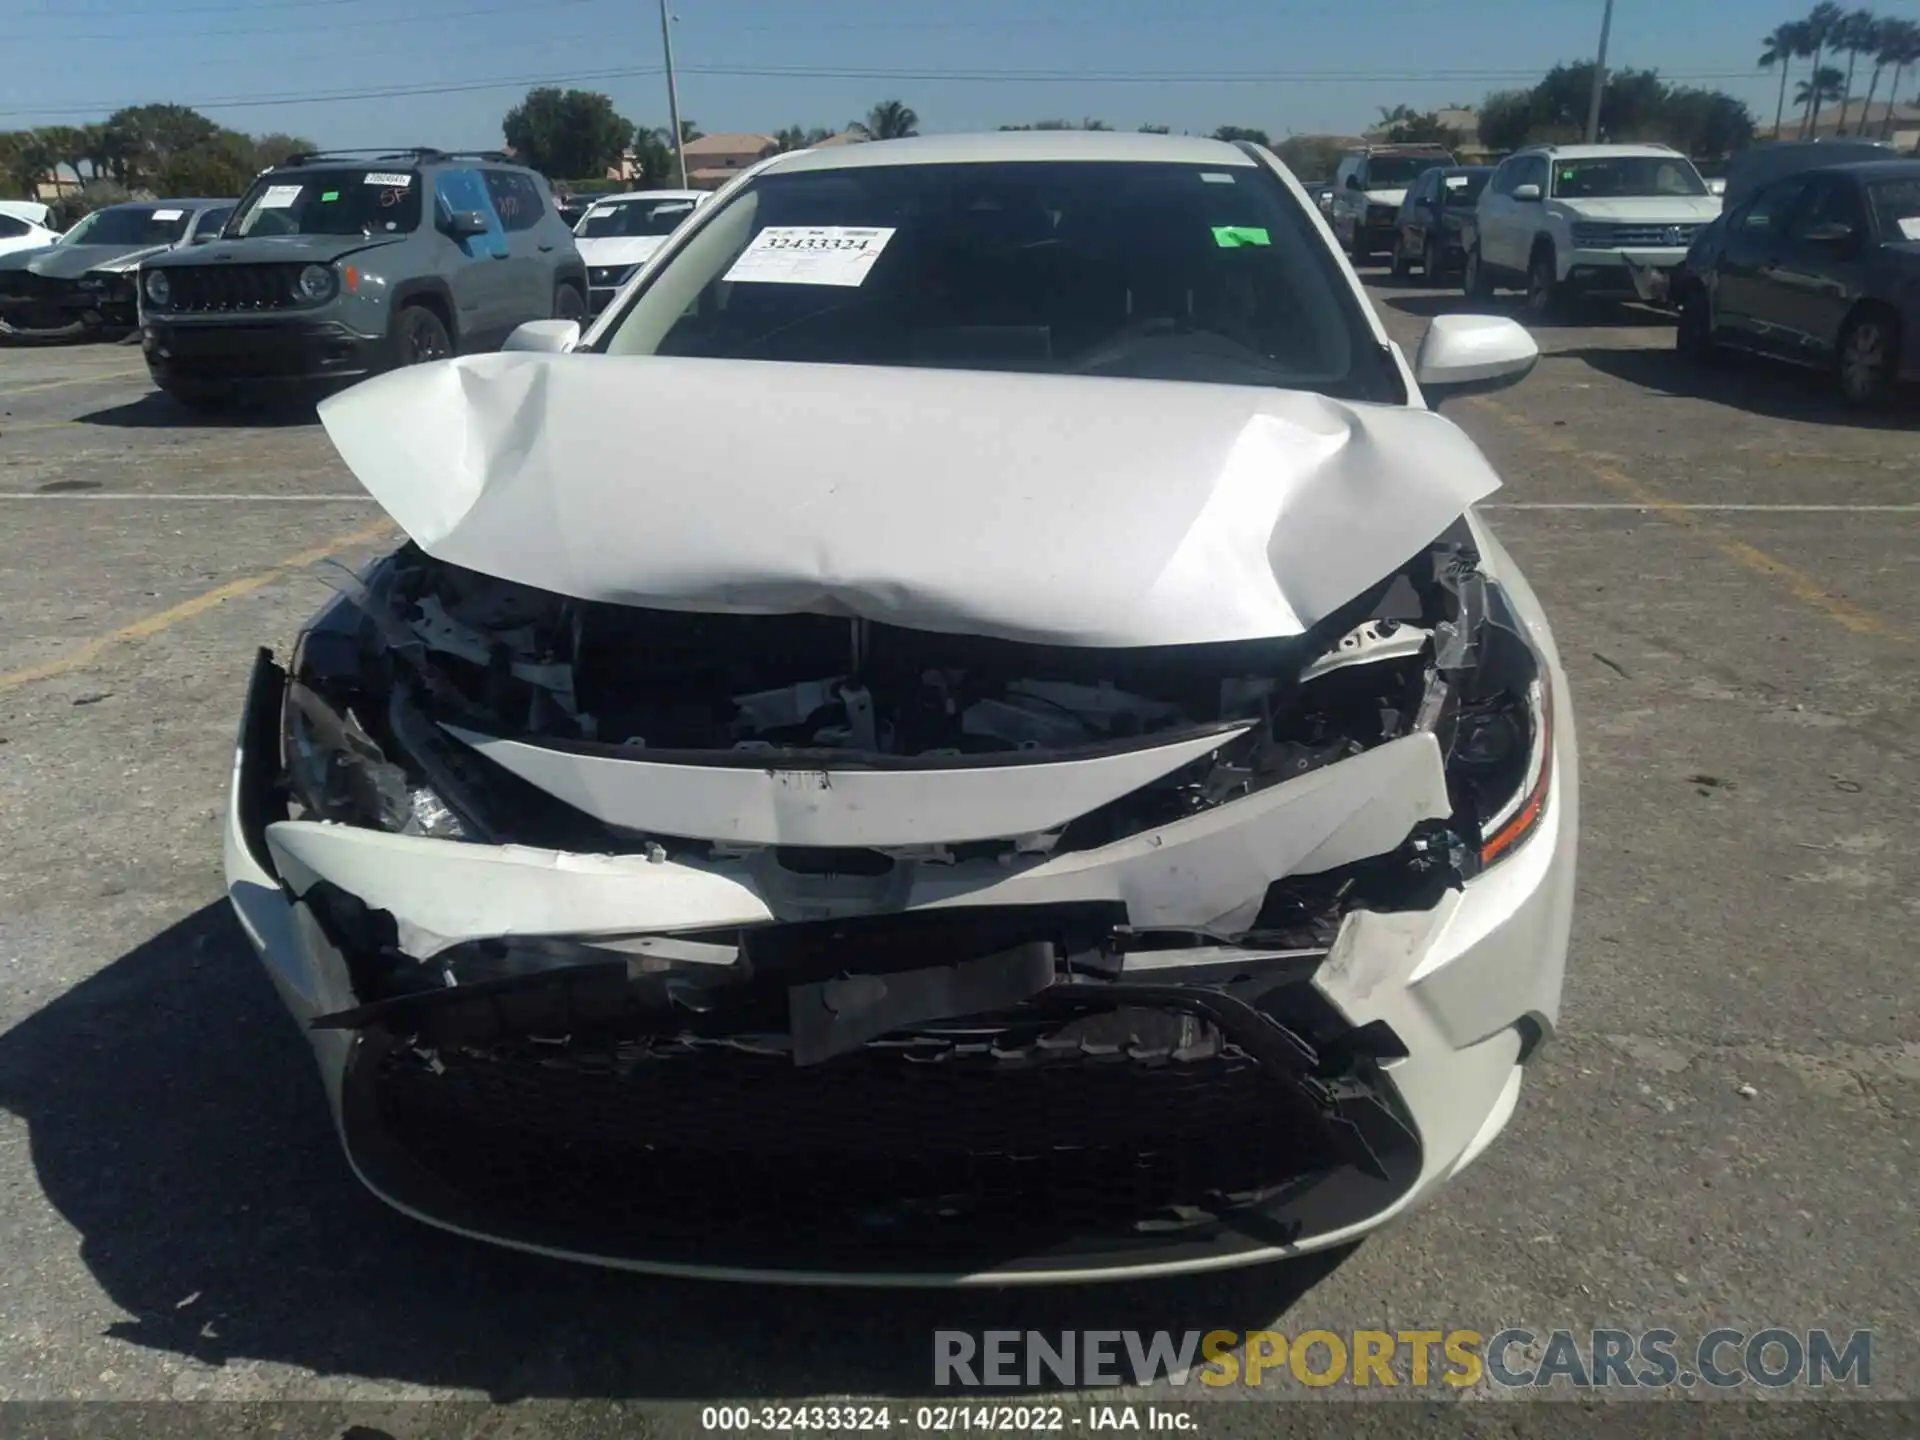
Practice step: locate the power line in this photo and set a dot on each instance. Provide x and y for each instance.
(519, 9)
(1048, 77)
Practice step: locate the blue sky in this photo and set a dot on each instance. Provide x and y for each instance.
(1319, 65)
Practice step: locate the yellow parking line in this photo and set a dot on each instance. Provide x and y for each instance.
(166, 619)
(1802, 586)
(72, 380)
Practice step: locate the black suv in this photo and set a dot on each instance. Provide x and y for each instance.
(341, 265)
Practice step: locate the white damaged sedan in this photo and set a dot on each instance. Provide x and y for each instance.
(968, 732)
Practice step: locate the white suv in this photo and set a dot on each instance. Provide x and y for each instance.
(1585, 218)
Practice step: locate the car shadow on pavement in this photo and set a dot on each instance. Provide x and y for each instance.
(177, 1124)
(1581, 315)
(157, 411)
(1751, 383)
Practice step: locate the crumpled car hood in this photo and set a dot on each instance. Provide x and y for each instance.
(1048, 509)
(70, 262)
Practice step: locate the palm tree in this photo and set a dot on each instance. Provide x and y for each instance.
(1782, 44)
(1901, 47)
(1823, 23)
(1859, 34)
(1882, 34)
(889, 120)
(1824, 85)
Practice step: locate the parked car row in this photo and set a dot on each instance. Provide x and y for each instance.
(1808, 252)
(330, 268)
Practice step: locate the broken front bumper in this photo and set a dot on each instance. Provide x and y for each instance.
(1208, 1130)
(48, 307)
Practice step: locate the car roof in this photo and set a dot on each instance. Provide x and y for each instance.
(197, 203)
(1881, 169)
(1017, 145)
(646, 195)
(1604, 152)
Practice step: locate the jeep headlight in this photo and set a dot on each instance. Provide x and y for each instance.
(159, 289)
(314, 284)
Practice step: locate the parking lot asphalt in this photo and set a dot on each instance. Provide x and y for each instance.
(1721, 1134)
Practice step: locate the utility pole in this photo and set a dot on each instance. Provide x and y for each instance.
(1599, 76)
(673, 91)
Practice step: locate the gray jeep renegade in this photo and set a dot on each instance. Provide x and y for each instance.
(338, 266)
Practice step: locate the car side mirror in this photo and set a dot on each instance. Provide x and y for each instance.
(544, 337)
(1353, 182)
(466, 224)
(1526, 192)
(1830, 232)
(205, 237)
(1472, 355)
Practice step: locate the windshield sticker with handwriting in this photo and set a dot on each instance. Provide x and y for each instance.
(1910, 226)
(810, 255)
(168, 214)
(280, 197)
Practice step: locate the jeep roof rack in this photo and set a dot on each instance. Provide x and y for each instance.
(381, 152)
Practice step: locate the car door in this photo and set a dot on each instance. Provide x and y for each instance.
(1495, 212)
(1417, 220)
(478, 268)
(1812, 282)
(521, 208)
(1755, 237)
(1346, 182)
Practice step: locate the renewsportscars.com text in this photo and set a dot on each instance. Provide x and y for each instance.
(1511, 1359)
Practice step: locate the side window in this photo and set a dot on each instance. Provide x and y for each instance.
(212, 222)
(11, 228)
(1533, 171)
(516, 199)
(1505, 178)
(455, 191)
(1768, 212)
(1346, 171)
(1831, 201)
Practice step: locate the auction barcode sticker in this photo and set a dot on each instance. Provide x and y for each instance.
(394, 180)
(810, 255)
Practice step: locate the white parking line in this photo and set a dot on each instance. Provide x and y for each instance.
(1742, 509)
(224, 497)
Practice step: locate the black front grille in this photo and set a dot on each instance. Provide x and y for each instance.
(229, 289)
(929, 1151)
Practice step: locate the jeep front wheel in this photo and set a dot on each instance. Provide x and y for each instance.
(1543, 286)
(422, 337)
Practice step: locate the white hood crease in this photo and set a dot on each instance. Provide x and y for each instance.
(1049, 509)
(619, 249)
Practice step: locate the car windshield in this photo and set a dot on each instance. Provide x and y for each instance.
(1465, 189)
(360, 201)
(1896, 207)
(1395, 172)
(625, 218)
(1148, 270)
(131, 225)
(1622, 176)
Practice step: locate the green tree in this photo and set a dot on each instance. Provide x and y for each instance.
(1242, 132)
(1405, 126)
(28, 159)
(1506, 120)
(149, 137)
(1900, 47)
(1311, 157)
(571, 134)
(1822, 27)
(1823, 85)
(791, 138)
(273, 149)
(818, 133)
(1706, 123)
(1153, 130)
(1858, 34)
(889, 120)
(1782, 44)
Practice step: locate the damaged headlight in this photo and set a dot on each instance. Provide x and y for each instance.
(337, 771)
(1500, 741)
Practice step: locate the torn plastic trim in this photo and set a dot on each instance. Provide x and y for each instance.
(829, 802)
(1209, 872)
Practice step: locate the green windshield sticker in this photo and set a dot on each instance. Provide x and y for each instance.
(1232, 237)
(330, 195)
